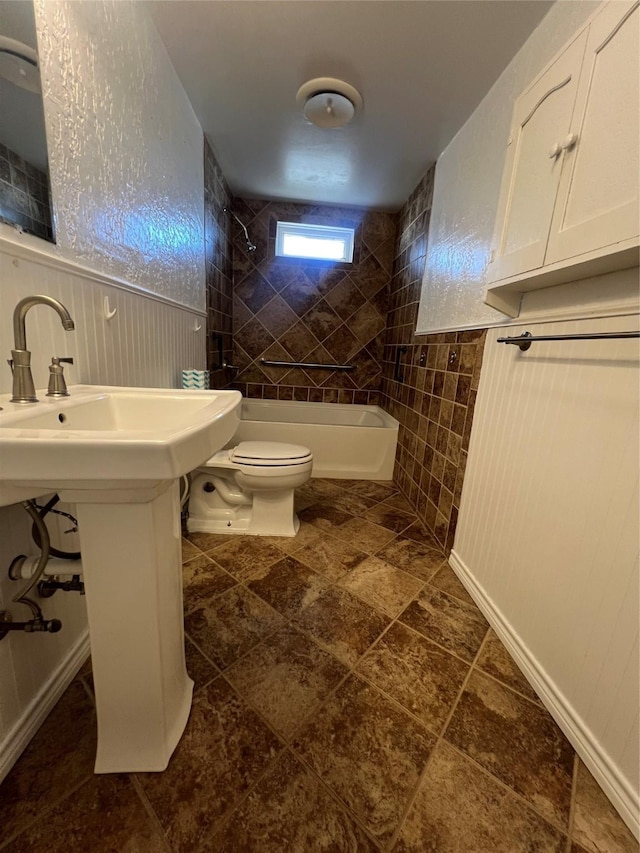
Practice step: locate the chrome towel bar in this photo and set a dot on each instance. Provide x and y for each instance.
(525, 340)
(308, 365)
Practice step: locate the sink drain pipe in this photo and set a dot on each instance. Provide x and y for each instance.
(38, 622)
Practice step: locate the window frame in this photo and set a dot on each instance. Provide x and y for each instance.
(308, 229)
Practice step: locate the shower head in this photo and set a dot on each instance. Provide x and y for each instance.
(251, 247)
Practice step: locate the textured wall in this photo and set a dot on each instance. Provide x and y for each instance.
(288, 310)
(125, 148)
(468, 185)
(219, 273)
(434, 400)
(24, 195)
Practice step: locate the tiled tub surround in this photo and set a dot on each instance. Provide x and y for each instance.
(289, 310)
(24, 195)
(349, 697)
(218, 270)
(434, 402)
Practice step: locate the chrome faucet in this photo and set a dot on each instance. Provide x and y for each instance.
(23, 388)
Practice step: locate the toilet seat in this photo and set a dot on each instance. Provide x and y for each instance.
(269, 453)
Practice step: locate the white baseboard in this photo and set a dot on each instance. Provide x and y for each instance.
(19, 736)
(616, 787)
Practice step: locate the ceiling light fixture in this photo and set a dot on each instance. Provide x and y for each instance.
(327, 102)
(19, 64)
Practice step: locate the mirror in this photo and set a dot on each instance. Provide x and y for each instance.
(25, 197)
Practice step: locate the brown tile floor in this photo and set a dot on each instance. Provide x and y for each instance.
(349, 697)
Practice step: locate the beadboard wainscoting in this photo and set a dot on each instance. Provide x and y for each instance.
(547, 537)
(146, 342)
(35, 669)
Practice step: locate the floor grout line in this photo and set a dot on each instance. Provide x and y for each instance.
(508, 789)
(497, 680)
(572, 807)
(439, 739)
(336, 797)
(46, 811)
(151, 812)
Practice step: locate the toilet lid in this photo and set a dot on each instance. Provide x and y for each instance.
(269, 453)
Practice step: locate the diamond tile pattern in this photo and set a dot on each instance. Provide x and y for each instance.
(349, 696)
(304, 311)
(360, 314)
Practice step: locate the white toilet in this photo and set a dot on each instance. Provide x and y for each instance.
(249, 489)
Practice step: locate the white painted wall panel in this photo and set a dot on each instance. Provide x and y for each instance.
(548, 536)
(467, 185)
(125, 148)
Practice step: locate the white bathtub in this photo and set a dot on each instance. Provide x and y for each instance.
(347, 441)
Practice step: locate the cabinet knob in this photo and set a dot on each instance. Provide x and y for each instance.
(555, 150)
(569, 141)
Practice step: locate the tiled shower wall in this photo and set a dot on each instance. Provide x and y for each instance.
(24, 195)
(433, 392)
(218, 270)
(287, 310)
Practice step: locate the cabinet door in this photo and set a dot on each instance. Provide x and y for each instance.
(598, 194)
(541, 120)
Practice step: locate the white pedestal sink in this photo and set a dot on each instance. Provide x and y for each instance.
(117, 454)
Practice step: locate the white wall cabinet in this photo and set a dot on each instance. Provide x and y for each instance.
(569, 198)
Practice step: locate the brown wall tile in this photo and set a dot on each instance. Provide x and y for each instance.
(435, 399)
(218, 251)
(305, 311)
(24, 195)
(362, 313)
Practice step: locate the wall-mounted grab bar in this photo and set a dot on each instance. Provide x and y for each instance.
(398, 375)
(525, 340)
(308, 365)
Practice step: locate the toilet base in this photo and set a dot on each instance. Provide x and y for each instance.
(266, 513)
(233, 523)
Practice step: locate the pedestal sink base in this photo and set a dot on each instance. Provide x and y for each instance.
(117, 453)
(131, 557)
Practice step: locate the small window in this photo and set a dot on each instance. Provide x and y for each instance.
(317, 242)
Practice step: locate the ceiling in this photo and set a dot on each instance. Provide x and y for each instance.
(421, 66)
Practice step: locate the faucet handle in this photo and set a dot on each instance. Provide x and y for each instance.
(57, 385)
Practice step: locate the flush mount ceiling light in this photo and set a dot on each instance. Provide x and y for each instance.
(19, 64)
(327, 102)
